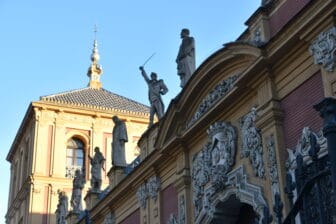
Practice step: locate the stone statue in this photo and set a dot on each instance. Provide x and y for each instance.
(62, 208)
(185, 60)
(97, 164)
(119, 135)
(156, 88)
(77, 187)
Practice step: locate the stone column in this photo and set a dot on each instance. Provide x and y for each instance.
(115, 175)
(91, 199)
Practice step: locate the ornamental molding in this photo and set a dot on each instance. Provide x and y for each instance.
(252, 142)
(323, 49)
(220, 90)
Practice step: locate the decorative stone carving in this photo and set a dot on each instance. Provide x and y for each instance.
(153, 187)
(235, 184)
(172, 219)
(213, 162)
(252, 143)
(213, 97)
(274, 176)
(266, 2)
(62, 208)
(150, 189)
(323, 49)
(109, 219)
(181, 211)
(142, 195)
(304, 145)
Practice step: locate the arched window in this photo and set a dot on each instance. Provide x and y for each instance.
(74, 156)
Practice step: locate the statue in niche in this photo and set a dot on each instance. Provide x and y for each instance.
(62, 208)
(186, 57)
(77, 187)
(156, 88)
(97, 164)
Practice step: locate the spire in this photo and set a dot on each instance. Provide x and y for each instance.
(95, 70)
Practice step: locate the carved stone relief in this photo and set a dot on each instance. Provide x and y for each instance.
(274, 176)
(213, 162)
(181, 210)
(213, 97)
(142, 195)
(252, 142)
(153, 187)
(150, 189)
(172, 219)
(323, 49)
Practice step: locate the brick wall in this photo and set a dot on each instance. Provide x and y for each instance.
(134, 218)
(299, 111)
(169, 203)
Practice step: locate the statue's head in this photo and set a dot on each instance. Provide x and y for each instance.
(96, 149)
(185, 32)
(115, 119)
(153, 76)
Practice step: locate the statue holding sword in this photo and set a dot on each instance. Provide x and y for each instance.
(156, 88)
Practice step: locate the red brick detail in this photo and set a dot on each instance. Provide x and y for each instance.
(285, 13)
(134, 218)
(168, 203)
(299, 111)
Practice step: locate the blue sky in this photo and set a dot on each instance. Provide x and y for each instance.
(46, 47)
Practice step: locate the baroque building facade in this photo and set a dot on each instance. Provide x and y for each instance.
(56, 137)
(233, 141)
(236, 145)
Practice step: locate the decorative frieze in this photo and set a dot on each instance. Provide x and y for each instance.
(252, 143)
(323, 49)
(213, 97)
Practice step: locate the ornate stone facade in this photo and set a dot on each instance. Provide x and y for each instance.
(148, 190)
(324, 49)
(252, 142)
(213, 162)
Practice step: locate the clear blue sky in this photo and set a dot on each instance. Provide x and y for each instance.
(46, 47)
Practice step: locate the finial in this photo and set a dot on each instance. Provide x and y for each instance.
(95, 69)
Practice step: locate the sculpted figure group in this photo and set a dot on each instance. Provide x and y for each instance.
(156, 87)
(185, 68)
